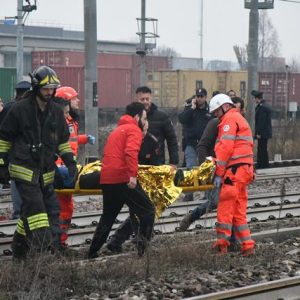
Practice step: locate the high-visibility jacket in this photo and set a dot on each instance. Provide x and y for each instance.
(234, 143)
(75, 139)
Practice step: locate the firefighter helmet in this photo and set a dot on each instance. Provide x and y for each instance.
(44, 77)
(217, 101)
(66, 92)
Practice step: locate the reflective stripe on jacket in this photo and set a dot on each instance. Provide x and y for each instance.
(74, 139)
(234, 143)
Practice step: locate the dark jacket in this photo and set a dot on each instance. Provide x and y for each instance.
(263, 124)
(207, 142)
(149, 151)
(194, 122)
(162, 128)
(120, 154)
(32, 138)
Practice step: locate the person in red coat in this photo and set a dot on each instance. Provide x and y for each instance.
(66, 202)
(119, 180)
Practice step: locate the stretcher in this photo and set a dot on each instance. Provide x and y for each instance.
(194, 188)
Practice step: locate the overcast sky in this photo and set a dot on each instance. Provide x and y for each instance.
(225, 23)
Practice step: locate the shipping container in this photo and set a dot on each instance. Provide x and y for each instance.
(118, 74)
(114, 85)
(7, 83)
(172, 87)
(280, 88)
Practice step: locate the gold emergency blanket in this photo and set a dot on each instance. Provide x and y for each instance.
(201, 175)
(158, 181)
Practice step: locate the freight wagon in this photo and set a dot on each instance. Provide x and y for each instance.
(118, 74)
(7, 83)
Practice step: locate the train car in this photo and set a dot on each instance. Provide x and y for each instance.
(8, 77)
(118, 74)
(280, 89)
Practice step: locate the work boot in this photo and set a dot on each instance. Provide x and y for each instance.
(141, 246)
(219, 249)
(248, 252)
(186, 222)
(114, 245)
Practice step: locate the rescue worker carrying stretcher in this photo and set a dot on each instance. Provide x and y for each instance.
(234, 171)
(66, 202)
(33, 131)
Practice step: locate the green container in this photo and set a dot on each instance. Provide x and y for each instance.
(8, 77)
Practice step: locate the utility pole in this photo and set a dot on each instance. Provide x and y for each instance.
(254, 6)
(201, 34)
(286, 107)
(252, 59)
(143, 44)
(144, 35)
(91, 78)
(20, 36)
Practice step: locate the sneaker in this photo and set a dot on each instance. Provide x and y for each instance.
(186, 222)
(113, 247)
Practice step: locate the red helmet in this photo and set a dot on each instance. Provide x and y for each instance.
(66, 92)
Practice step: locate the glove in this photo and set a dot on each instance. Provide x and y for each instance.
(91, 139)
(217, 181)
(4, 175)
(58, 179)
(73, 173)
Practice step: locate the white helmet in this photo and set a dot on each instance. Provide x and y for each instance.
(217, 101)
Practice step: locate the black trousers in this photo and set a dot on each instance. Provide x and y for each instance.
(31, 233)
(262, 153)
(114, 197)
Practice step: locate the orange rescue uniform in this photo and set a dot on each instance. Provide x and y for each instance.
(234, 159)
(66, 202)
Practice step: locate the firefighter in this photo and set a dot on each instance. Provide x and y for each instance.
(33, 131)
(234, 171)
(66, 201)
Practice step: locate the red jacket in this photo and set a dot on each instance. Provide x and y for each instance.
(120, 158)
(234, 143)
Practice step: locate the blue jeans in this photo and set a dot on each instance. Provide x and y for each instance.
(191, 161)
(190, 154)
(208, 206)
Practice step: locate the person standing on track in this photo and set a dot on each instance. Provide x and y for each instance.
(33, 131)
(234, 172)
(119, 180)
(66, 202)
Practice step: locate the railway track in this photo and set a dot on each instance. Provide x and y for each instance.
(264, 174)
(261, 208)
(287, 288)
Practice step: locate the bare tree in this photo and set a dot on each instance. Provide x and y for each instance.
(165, 51)
(241, 55)
(294, 65)
(268, 46)
(268, 42)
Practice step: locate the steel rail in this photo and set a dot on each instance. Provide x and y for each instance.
(177, 209)
(163, 225)
(287, 288)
